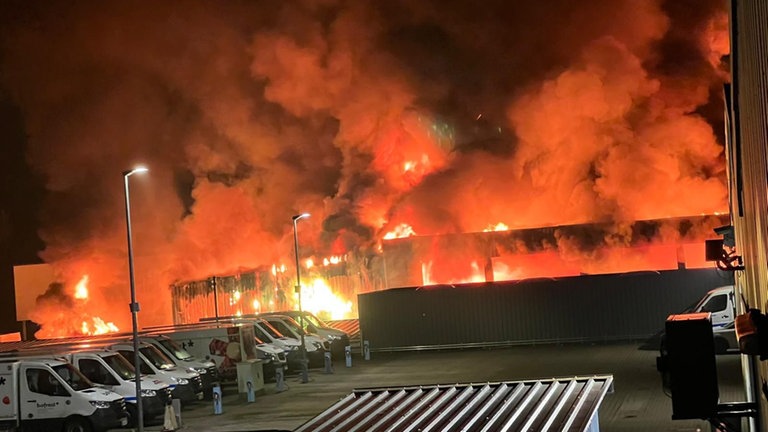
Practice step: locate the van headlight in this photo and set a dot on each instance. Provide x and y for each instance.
(200, 371)
(180, 381)
(99, 404)
(148, 393)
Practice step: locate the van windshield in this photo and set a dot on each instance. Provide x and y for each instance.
(267, 327)
(73, 377)
(294, 325)
(314, 320)
(175, 349)
(121, 366)
(158, 359)
(283, 328)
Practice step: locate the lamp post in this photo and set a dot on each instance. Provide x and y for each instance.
(302, 348)
(134, 305)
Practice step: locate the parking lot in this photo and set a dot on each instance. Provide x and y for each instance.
(636, 404)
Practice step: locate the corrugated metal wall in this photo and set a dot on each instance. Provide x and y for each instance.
(748, 168)
(581, 308)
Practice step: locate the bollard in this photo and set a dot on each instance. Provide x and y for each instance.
(251, 393)
(366, 350)
(176, 403)
(217, 399)
(348, 355)
(328, 362)
(279, 379)
(304, 374)
(170, 422)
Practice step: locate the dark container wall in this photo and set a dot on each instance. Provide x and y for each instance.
(581, 308)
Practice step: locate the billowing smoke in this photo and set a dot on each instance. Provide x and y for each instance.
(445, 116)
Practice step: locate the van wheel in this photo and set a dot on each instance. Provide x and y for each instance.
(133, 414)
(77, 424)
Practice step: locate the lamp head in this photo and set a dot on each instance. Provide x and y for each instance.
(137, 170)
(300, 216)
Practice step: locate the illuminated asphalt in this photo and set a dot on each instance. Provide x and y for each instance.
(637, 403)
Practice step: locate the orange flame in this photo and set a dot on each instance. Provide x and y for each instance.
(401, 231)
(501, 226)
(98, 326)
(81, 289)
(319, 298)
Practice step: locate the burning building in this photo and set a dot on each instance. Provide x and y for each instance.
(330, 290)
(379, 119)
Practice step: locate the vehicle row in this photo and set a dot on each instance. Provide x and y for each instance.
(277, 340)
(94, 367)
(90, 383)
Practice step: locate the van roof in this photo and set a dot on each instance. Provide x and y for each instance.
(44, 359)
(718, 290)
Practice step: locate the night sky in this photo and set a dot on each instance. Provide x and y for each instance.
(436, 116)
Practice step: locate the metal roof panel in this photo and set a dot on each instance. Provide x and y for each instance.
(562, 404)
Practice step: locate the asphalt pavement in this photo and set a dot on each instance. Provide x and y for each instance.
(636, 404)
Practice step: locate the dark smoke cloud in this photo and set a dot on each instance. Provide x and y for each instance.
(449, 116)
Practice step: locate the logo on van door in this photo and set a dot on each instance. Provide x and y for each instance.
(47, 405)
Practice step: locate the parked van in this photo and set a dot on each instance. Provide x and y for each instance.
(209, 374)
(721, 305)
(51, 394)
(338, 339)
(266, 332)
(315, 345)
(185, 385)
(312, 324)
(222, 343)
(110, 370)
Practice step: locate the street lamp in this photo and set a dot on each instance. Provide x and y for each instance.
(134, 305)
(302, 348)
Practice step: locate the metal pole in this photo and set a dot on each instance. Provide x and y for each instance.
(302, 348)
(215, 298)
(134, 305)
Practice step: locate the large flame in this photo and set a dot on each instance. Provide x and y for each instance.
(71, 312)
(319, 299)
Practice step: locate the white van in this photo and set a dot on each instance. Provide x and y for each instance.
(721, 305)
(110, 370)
(312, 324)
(315, 345)
(209, 374)
(51, 394)
(222, 343)
(186, 385)
(266, 332)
